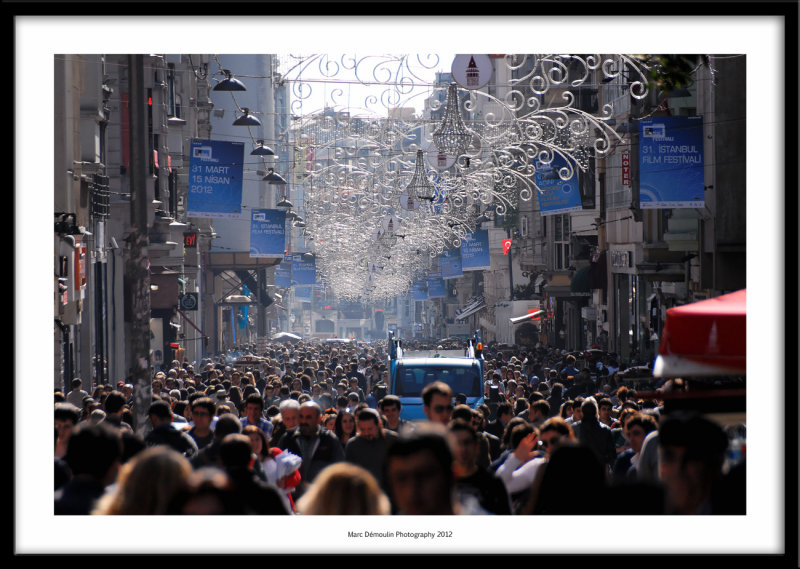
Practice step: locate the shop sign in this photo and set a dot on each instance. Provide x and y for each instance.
(621, 259)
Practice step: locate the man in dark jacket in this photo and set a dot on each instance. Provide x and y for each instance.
(93, 456)
(317, 446)
(164, 433)
(595, 435)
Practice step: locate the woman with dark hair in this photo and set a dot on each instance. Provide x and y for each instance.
(565, 411)
(556, 398)
(345, 426)
(236, 399)
(268, 456)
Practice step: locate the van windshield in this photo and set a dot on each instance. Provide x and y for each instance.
(412, 379)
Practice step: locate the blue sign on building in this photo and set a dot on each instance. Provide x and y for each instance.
(436, 287)
(304, 272)
(283, 273)
(215, 179)
(450, 263)
(267, 233)
(557, 195)
(419, 290)
(671, 169)
(475, 251)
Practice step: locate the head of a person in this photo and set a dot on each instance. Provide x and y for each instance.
(290, 413)
(437, 402)
(344, 488)
(463, 443)
(691, 455)
(462, 412)
(505, 412)
(202, 411)
(369, 425)
(147, 483)
(236, 452)
(565, 412)
(390, 407)
(94, 451)
(554, 432)
(540, 410)
(329, 421)
(419, 471)
(254, 408)
(589, 409)
(572, 466)
(227, 424)
(604, 407)
(519, 432)
(345, 424)
(577, 409)
(637, 427)
(309, 417)
(66, 417)
(160, 413)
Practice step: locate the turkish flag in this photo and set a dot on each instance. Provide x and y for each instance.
(506, 246)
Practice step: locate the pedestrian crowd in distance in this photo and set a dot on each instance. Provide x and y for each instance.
(311, 429)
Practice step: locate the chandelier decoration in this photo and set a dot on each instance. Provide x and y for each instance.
(452, 136)
(438, 173)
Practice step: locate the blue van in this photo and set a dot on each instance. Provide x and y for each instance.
(408, 376)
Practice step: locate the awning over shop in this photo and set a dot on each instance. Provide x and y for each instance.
(705, 338)
(580, 280)
(535, 315)
(473, 305)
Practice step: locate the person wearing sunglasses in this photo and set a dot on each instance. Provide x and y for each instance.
(437, 401)
(554, 432)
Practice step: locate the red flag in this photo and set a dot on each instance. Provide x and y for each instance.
(506, 246)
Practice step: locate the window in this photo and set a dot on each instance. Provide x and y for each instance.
(173, 100)
(412, 379)
(561, 240)
(523, 226)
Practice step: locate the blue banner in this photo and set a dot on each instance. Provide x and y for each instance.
(475, 251)
(557, 195)
(283, 273)
(450, 263)
(267, 233)
(304, 272)
(436, 288)
(420, 290)
(215, 179)
(671, 171)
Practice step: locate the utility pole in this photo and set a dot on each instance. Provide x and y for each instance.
(137, 275)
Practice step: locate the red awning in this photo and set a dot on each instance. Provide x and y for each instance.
(705, 338)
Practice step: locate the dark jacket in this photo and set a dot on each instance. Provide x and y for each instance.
(597, 436)
(328, 451)
(172, 437)
(254, 495)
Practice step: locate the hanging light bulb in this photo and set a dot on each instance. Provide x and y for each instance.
(230, 83)
(420, 186)
(246, 119)
(452, 136)
(261, 150)
(274, 178)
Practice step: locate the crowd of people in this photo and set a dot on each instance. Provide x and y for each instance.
(312, 429)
